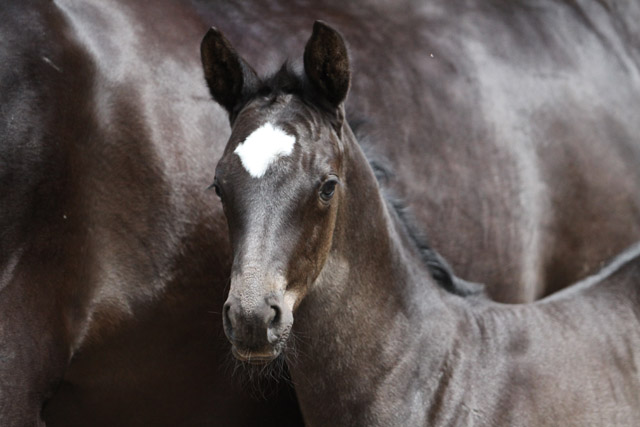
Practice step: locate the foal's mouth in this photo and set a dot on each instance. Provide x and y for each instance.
(254, 357)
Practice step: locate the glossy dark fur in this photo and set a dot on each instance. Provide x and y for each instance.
(331, 276)
(114, 261)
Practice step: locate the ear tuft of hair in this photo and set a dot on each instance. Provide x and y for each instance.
(229, 77)
(326, 63)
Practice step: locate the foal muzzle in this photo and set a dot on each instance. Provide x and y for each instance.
(256, 327)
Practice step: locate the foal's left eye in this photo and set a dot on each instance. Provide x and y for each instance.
(216, 188)
(328, 189)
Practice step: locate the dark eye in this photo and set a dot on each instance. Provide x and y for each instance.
(328, 189)
(216, 188)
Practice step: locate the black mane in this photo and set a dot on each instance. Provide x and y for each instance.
(440, 270)
(290, 79)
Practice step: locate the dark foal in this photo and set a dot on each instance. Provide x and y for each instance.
(380, 337)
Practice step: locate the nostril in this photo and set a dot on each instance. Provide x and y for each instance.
(225, 312)
(273, 330)
(276, 315)
(226, 320)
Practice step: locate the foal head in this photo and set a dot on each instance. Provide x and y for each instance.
(281, 181)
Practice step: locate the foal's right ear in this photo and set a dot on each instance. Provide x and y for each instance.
(229, 77)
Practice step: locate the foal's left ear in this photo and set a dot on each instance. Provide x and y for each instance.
(229, 77)
(326, 63)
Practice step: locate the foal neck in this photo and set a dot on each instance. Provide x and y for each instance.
(372, 241)
(373, 310)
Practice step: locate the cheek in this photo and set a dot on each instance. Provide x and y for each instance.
(310, 254)
(319, 240)
(324, 238)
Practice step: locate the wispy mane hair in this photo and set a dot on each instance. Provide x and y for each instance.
(440, 270)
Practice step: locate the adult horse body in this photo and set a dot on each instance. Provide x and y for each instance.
(328, 274)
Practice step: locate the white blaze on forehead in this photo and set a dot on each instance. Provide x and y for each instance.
(263, 147)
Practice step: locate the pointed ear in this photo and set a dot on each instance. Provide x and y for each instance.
(229, 77)
(326, 63)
